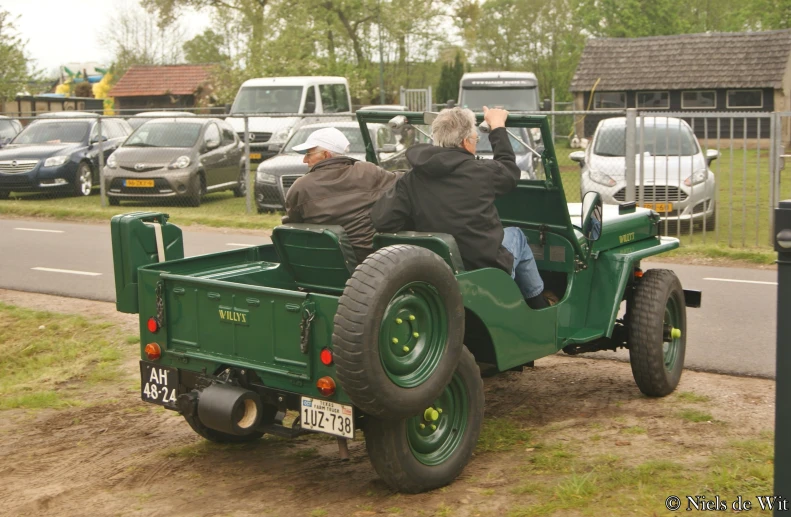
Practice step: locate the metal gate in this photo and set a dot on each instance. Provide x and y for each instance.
(416, 99)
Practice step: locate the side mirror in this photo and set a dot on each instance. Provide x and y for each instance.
(212, 144)
(388, 148)
(95, 139)
(397, 123)
(591, 216)
(310, 107)
(547, 105)
(577, 156)
(711, 155)
(450, 104)
(429, 117)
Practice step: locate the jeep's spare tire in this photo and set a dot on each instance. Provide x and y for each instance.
(398, 332)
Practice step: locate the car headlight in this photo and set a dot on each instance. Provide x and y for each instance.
(265, 177)
(601, 178)
(697, 177)
(54, 161)
(112, 163)
(182, 162)
(281, 135)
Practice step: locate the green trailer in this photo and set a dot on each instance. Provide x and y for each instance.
(391, 347)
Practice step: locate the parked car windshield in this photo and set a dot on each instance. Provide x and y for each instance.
(353, 134)
(673, 140)
(485, 147)
(157, 134)
(513, 99)
(54, 132)
(7, 129)
(268, 99)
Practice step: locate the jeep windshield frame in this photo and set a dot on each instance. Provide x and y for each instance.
(538, 204)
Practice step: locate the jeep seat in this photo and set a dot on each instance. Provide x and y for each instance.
(319, 257)
(442, 244)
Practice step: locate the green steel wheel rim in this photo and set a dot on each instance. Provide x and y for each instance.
(436, 434)
(670, 348)
(413, 334)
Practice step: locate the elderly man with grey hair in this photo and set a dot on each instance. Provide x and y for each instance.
(337, 189)
(450, 191)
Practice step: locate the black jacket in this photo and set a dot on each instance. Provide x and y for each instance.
(448, 190)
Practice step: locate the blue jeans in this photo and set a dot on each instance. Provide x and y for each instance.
(524, 271)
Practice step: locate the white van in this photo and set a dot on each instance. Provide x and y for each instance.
(287, 95)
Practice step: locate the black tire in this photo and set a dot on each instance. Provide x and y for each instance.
(113, 201)
(83, 180)
(389, 443)
(241, 189)
(197, 191)
(395, 283)
(220, 437)
(4, 194)
(658, 302)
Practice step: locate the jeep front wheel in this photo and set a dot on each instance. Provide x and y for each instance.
(398, 331)
(431, 449)
(657, 332)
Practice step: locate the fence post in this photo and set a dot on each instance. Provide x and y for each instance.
(631, 138)
(429, 100)
(102, 193)
(782, 459)
(553, 116)
(402, 96)
(250, 191)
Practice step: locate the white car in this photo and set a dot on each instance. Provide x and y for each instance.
(677, 181)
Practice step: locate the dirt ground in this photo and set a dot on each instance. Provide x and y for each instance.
(119, 456)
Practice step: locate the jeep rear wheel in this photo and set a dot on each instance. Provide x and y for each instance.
(657, 332)
(398, 331)
(431, 449)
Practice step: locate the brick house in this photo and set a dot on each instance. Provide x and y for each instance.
(144, 88)
(723, 72)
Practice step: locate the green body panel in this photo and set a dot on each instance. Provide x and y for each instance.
(440, 243)
(134, 245)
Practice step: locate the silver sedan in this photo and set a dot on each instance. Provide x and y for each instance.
(672, 170)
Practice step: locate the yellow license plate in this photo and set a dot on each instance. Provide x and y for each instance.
(139, 183)
(255, 156)
(659, 207)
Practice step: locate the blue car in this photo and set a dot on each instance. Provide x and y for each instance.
(59, 154)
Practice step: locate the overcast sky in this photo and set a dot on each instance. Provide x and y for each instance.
(67, 31)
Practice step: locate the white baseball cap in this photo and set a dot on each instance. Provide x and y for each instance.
(328, 138)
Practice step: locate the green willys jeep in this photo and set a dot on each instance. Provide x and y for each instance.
(234, 340)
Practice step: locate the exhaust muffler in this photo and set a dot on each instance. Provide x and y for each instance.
(229, 409)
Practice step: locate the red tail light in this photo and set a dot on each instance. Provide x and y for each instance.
(326, 386)
(326, 356)
(153, 326)
(153, 352)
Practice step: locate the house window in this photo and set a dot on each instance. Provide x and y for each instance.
(699, 100)
(745, 99)
(653, 100)
(609, 100)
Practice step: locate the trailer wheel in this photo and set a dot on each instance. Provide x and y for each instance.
(220, 437)
(657, 332)
(431, 449)
(398, 331)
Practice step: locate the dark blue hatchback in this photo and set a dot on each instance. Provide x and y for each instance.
(58, 154)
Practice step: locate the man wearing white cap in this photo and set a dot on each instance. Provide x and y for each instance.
(337, 189)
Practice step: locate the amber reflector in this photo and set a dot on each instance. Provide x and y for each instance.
(326, 357)
(638, 273)
(326, 386)
(153, 352)
(152, 325)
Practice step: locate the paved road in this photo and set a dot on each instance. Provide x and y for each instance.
(734, 332)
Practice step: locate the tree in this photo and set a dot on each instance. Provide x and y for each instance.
(449, 79)
(136, 39)
(206, 48)
(14, 73)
